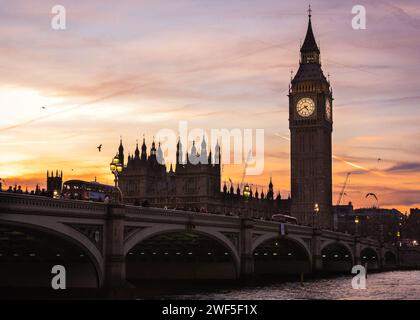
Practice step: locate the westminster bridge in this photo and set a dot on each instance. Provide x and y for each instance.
(109, 245)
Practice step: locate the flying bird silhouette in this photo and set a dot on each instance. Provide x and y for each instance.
(99, 147)
(372, 195)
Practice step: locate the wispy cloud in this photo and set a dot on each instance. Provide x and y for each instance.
(137, 66)
(405, 167)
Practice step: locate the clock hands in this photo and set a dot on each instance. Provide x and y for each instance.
(304, 107)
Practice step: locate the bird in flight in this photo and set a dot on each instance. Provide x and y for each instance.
(99, 147)
(372, 195)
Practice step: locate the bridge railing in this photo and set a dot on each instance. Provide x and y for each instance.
(340, 235)
(161, 212)
(271, 225)
(27, 203)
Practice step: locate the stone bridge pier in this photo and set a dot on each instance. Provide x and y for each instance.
(115, 273)
(246, 249)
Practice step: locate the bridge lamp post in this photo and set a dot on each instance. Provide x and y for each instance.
(316, 211)
(247, 195)
(356, 222)
(116, 168)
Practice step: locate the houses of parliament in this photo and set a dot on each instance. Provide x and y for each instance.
(193, 185)
(198, 186)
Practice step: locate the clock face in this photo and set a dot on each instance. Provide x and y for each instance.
(305, 107)
(328, 109)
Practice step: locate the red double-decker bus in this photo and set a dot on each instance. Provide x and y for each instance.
(88, 191)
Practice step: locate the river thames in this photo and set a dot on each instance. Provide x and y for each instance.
(395, 285)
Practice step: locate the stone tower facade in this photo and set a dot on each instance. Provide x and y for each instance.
(311, 124)
(54, 182)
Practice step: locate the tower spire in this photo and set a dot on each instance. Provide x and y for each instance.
(153, 149)
(160, 158)
(203, 151)
(137, 151)
(309, 50)
(179, 156)
(121, 152)
(144, 150)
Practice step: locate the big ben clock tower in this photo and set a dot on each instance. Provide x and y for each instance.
(310, 122)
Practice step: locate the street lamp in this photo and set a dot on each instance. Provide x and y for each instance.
(357, 221)
(316, 211)
(116, 168)
(247, 192)
(247, 195)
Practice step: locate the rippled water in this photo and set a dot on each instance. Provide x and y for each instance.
(394, 285)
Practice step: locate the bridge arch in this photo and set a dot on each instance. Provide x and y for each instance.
(221, 248)
(62, 234)
(369, 257)
(281, 255)
(272, 236)
(390, 259)
(337, 256)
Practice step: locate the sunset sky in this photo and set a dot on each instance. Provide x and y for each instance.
(132, 67)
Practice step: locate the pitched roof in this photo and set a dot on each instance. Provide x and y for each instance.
(309, 45)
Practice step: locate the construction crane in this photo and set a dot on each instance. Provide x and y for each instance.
(246, 167)
(343, 189)
(244, 172)
(336, 211)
